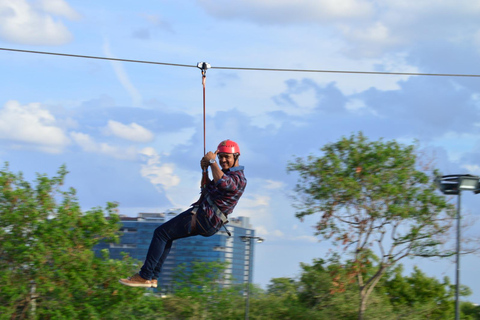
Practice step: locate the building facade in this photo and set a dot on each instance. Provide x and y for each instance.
(138, 232)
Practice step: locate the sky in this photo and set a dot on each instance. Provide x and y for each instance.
(133, 133)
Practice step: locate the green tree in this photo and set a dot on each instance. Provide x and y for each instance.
(329, 287)
(371, 196)
(47, 267)
(202, 291)
(470, 311)
(418, 296)
(283, 287)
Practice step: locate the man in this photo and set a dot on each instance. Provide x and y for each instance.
(205, 217)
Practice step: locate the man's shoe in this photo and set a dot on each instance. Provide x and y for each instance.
(137, 281)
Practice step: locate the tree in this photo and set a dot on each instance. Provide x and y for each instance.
(470, 311)
(286, 288)
(325, 286)
(371, 196)
(419, 296)
(200, 292)
(330, 289)
(47, 266)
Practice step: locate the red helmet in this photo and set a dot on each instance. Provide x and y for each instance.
(228, 146)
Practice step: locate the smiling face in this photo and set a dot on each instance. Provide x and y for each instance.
(226, 160)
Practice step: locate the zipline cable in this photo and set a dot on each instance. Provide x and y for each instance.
(99, 58)
(252, 69)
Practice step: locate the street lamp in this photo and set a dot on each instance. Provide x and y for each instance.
(454, 184)
(249, 242)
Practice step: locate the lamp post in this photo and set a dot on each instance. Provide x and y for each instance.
(249, 243)
(454, 184)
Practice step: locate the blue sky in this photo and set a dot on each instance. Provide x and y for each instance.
(133, 133)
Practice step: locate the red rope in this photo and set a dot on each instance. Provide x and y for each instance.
(204, 77)
(204, 66)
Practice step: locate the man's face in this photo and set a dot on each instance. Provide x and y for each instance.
(226, 160)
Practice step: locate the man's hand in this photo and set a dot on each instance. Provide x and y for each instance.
(210, 155)
(205, 162)
(217, 172)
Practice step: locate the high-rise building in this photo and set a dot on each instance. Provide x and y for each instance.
(138, 232)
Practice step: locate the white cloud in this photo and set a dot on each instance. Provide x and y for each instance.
(472, 168)
(131, 132)
(24, 23)
(357, 106)
(59, 8)
(256, 201)
(258, 208)
(371, 39)
(272, 184)
(456, 144)
(304, 102)
(287, 11)
(160, 175)
(84, 141)
(88, 144)
(476, 40)
(261, 231)
(369, 28)
(272, 235)
(186, 191)
(306, 238)
(123, 77)
(276, 234)
(398, 24)
(31, 124)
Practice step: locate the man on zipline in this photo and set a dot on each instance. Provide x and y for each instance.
(205, 217)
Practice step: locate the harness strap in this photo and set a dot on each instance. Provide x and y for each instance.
(194, 219)
(217, 212)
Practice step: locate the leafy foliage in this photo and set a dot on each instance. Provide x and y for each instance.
(371, 196)
(203, 286)
(397, 296)
(47, 266)
(48, 271)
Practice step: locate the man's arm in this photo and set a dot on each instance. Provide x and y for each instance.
(205, 179)
(217, 172)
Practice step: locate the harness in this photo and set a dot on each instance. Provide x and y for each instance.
(216, 210)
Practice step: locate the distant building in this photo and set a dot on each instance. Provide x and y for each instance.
(138, 232)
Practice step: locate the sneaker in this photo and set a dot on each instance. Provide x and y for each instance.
(137, 281)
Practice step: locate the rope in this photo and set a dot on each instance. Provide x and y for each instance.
(203, 66)
(204, 78)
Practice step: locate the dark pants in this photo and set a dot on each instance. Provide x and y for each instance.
(176, 228)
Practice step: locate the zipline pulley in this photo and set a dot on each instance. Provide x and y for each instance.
(204, 66)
